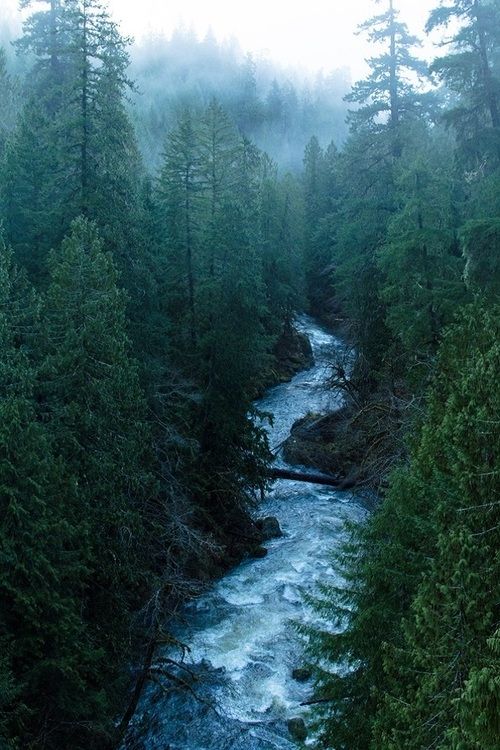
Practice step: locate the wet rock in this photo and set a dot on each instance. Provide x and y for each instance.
(302, 674)
(292, 353)
(297, 728)
(269, 528)
(258, 552)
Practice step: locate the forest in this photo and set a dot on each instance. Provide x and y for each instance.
(166, 211)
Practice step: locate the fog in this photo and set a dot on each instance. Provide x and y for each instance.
(281, 70)
(319, 34)
(315, 34)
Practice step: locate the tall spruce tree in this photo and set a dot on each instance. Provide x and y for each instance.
(96, 413)
(454, 612)
(388, 96)
(179, 191)
(9, 96)
(76, 130)
(48, 659)
(470, 71)
(421, 257)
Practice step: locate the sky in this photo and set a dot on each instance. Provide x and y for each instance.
(312, 34)
(308, 34)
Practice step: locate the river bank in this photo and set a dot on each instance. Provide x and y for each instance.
(240, 692)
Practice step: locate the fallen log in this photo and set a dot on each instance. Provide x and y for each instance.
(309, 478)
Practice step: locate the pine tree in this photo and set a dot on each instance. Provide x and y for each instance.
(420, 257)
(48, 659)
(96, 414)
(231, 308)
(75, 128)
(281, 221)
(453, 615)
(388, 96)
(9, 96)
(481, 246)
(469, 72)
(179, 188)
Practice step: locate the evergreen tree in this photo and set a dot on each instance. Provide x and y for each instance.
(96, 414)
(388, 96)
(76, 131)
(469, 72)
(48, 659)
(281, 220)
(453, 615)
(232, 345)
(481, 246)
(418, 614)
(9, 96)
(179, 189)
(420, 257)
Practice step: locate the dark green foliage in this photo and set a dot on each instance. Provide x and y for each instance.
(127, 430)
(419, 606)
(128, 442)
(409, 654)
(48, 659)
(481, 245)
(96, 412)
(420, 259)
(9, 96)
(74, 150)
(454, 612)
(210, 207)
(470, 70)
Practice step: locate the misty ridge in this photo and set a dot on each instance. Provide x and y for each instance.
(279, 109)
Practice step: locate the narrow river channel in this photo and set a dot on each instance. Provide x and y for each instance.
(244, 647)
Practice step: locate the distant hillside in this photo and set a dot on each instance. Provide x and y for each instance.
(278, 109)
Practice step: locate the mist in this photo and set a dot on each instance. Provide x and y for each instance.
(280, 73)
(279, 109)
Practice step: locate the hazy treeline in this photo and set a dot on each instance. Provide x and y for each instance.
(279, 110)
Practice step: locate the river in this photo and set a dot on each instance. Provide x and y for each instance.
(243, 644)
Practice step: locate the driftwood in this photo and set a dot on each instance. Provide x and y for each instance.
(324, 479)
(318, 701)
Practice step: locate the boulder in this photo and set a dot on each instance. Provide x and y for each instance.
(269, 528)
(258, 552)
(302, 674)
(297, 728)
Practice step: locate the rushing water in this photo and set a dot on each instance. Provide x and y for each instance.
(243, 646)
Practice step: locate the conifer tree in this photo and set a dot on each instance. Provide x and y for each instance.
(232, 344)
(281, 220)
(48, 659)
(179, 189)
(9, 96)
(96, 413)
(420, 257)
(76, 128)
(388, 96)
(453, 616)
(469, 72)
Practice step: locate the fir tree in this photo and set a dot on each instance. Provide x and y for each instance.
(96, 413)
(179, 189)
(453, 615)
(420, 257)
(468, 71)
(48, 659)
(388, 96)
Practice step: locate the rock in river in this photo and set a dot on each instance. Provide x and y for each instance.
(269, 528)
